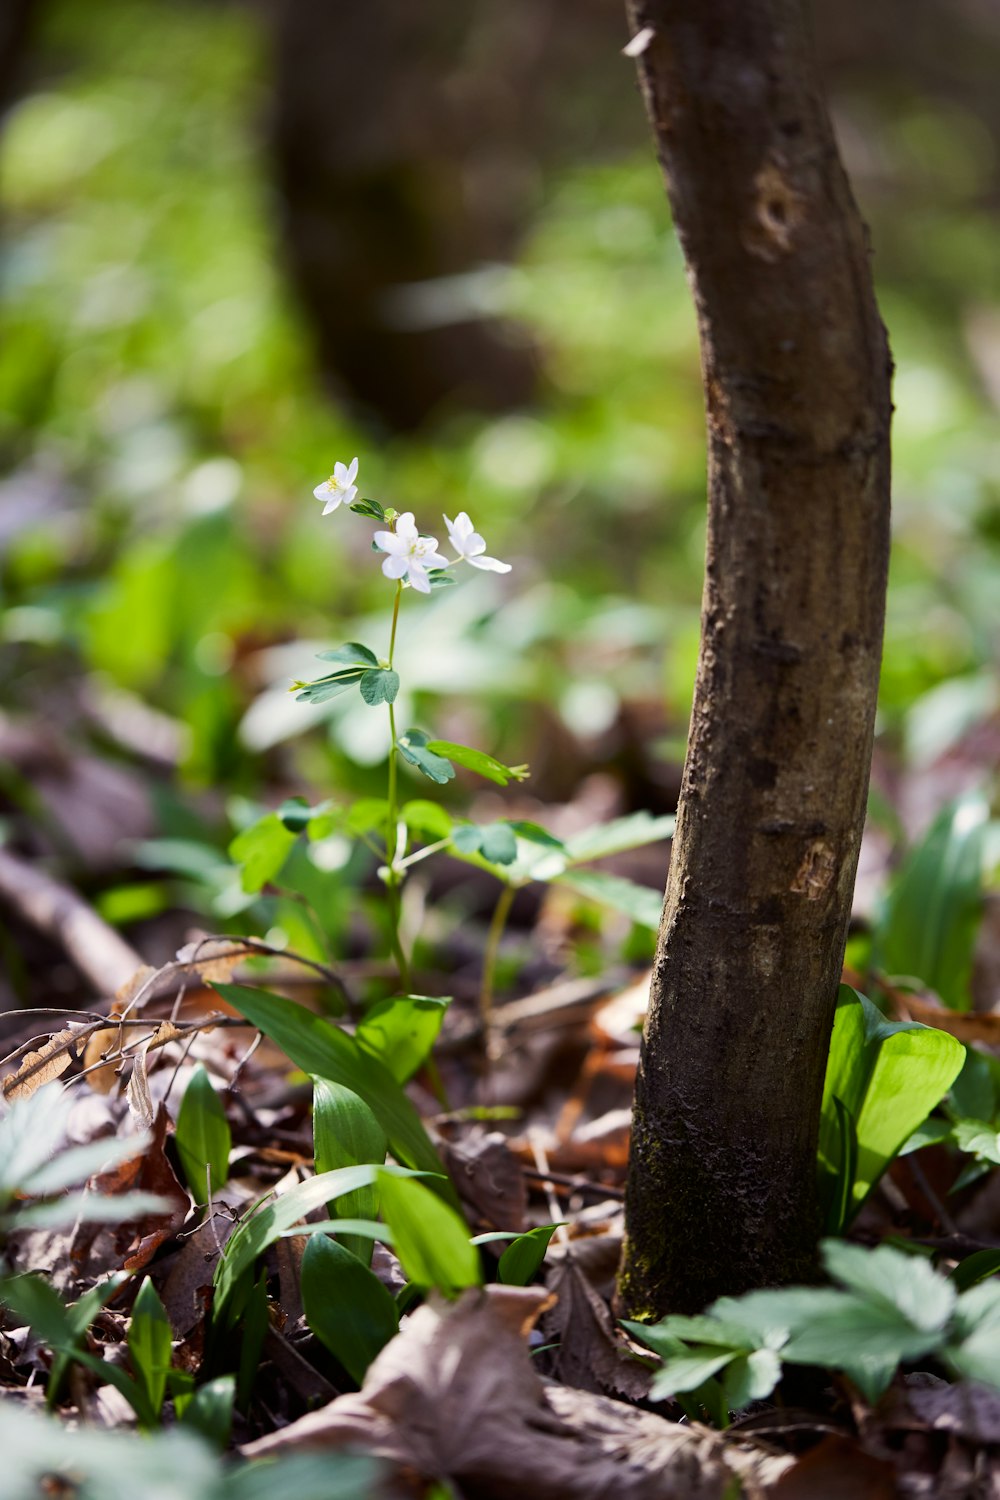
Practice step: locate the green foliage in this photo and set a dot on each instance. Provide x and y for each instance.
(522, 1260)
(203, 1137)
(476, 760)
(429, 1237)
(883, 1079)
(261, 851)
(346, 1306)
(347, 1134)
(412, 747)
(322, 1049)
(208, 1410)
(935, 905)
(887, 1309)
(149, 1347)
(401, 1032)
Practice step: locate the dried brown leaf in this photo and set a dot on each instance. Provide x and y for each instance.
(45, 1065)
(837, 1469)
(455, 1396)
(593, 1354)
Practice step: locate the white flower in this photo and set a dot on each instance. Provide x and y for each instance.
(410, 555)
(470, 546)
(340, 488)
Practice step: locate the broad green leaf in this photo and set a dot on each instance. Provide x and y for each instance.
(978, 1309)
(380, 685)
(889, 1075)
(706, 1329)
(639, 902)
(261, 850)
(367, 814)
(346, 1306)
(630, 832)
(430, 1238)
(346, 1134)
(351, 655)
(478, 761)
(975, 1094)
(975, 1268)
(322, 1049)
(413, 747)
(686, 1372)
(494, 841)
(401, 1032)
(865, 1338)
(751, 1377)
(893, 1279)
(203, 1137)
(426, 818)
(265, 1224)
(522, 1260)
(85, 1208)
(149, 1345)
(325, 688)
(208, 1410)
(837, 1187)
(935, 905)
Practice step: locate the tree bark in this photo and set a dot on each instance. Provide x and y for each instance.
(722, 1181)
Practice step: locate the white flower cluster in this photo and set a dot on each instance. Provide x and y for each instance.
(410, 555)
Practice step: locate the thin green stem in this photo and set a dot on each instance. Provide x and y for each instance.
(392, 820)
(497, 924)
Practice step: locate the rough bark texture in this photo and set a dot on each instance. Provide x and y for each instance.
(721, 1193)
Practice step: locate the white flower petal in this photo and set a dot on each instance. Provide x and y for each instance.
(390, 543)
(489, 564)
(395, 567)
(352, 472)
(433, 560)
(474, 544)
(322, 491)
(350, 493)
(332, 504)
(418, 578)
(405, 526)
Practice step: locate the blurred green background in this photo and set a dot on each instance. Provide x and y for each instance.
(241, 241)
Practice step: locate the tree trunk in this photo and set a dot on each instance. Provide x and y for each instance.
(722, 1182)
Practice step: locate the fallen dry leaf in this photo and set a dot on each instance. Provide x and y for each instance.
(45, 1065)
(593, 1354)
(455, 1397)
(837, 1469)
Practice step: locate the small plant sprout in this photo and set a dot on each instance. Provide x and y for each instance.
(340, 488)
(411, 560)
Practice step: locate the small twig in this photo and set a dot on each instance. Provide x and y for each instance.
(575, 1184)
(541, 1162)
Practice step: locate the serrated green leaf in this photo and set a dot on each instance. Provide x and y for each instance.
(148, 1340)
(322, 1049)
(379, 685)
(346, 1306)
(476, 760)
(751, 1377)
(353, 654)
(261, 851)
(638, 902)
(522, 1260)
(413, 747)
(686, 1372)
(345, 1134)
(618, 835)
(203, 1137)
(892, 1279)
(401, 1032)
(430, 1238)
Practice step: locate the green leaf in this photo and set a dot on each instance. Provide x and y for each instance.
(318, 1047)
(521, 1261)
(935, 906)
(630, 832)
(367, 815)
(346, 1306)
(325, 688)
(893, 1279)
(494, 841)
(428, 819)
(862, 1337)
(261, 850)
(751, 1377)
(430, 1238)
(149, 1345)
(837, 1187)
(975, 1094)
(370, 508)
(685, 1372)
(253, 1325)
(975, 1268)
(413, 747)
(978, 1138)
(352, 655)
(441, 578)
(639, 902)
(265, 1224)
(889, 1075)
(296, 814)
(346, 1134)
(478, 761)
(380, 685)
(203, 1137)
(209, 1409)
(400, 1032)
(706, 1329)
